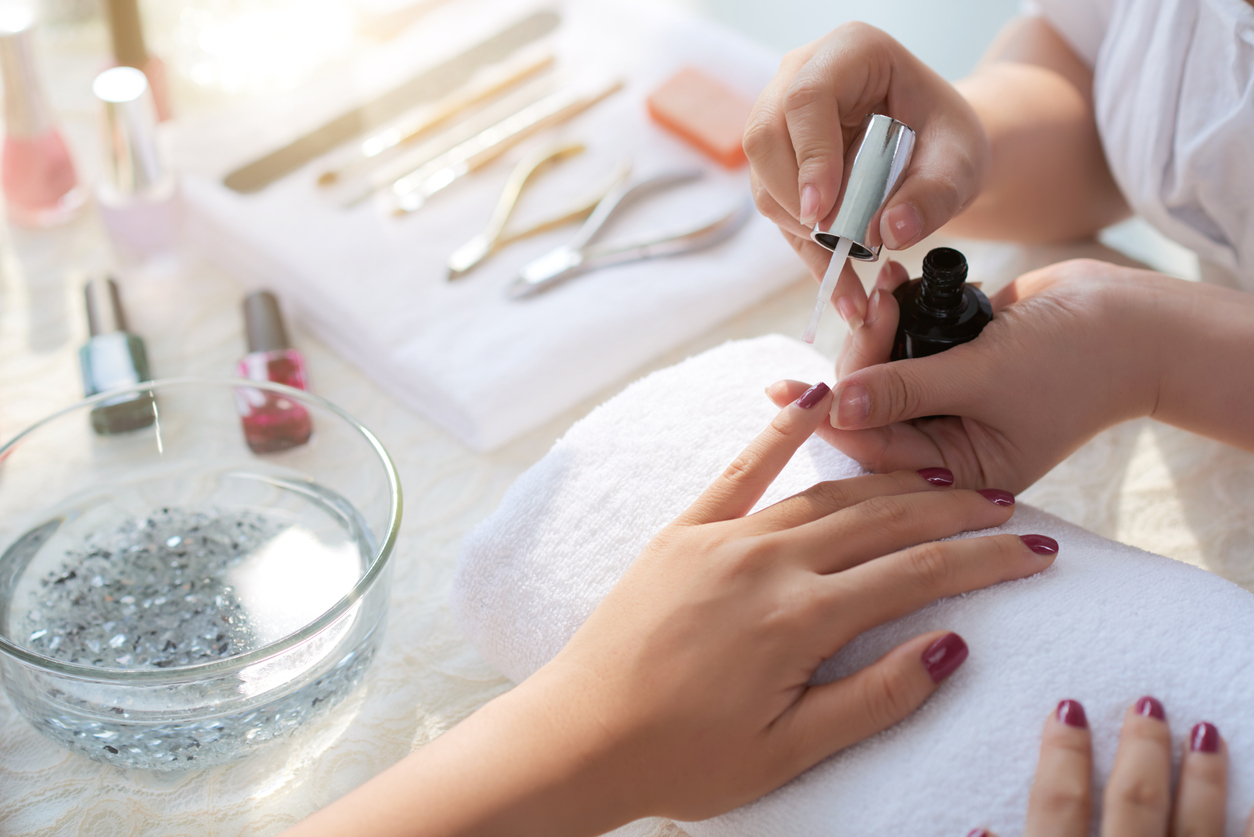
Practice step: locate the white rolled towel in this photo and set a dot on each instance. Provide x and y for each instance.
(1105, 624)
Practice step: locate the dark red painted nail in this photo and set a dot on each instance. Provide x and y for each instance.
(1150, 708)
(1040, 544)
(1205, 738)
(943, 656)
(997, 497)
(977, 832)
(1071, 713)
(813, 396)
(937, 476)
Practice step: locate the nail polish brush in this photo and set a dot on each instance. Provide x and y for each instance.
(873, 170)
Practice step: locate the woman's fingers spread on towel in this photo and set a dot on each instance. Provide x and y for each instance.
(881, 525)
(891, 587)
(1203, 793)
(1061, 802)
(741, 485)
(1137, 800)
(835, 715)
(824, 498)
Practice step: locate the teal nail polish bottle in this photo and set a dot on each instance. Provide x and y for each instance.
(114, 358)
(939, 310)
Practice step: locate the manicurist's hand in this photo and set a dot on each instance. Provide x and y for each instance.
(687, 692)
(1073, 348)
(807, 117)
(1138, 800)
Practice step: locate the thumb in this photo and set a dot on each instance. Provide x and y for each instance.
(945, 175)
(839, 714)
(940, 385)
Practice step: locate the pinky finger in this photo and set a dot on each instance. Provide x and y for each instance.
(1203, 791)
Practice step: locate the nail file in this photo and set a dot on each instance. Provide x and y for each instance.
(428, 85)
(828, 287)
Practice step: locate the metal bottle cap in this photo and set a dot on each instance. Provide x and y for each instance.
(135, 165)
(104, 307)
(263, 323)
(26, 109)
(873, 169)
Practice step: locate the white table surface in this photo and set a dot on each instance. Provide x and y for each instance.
(1143, 483)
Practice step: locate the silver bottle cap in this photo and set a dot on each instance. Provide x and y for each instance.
(136, 167)
(876, 161)
(26, 109)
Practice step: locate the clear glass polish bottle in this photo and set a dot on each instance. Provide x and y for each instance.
(939, 310)
(41, 188)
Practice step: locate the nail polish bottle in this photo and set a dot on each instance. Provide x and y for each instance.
(138, 193)
(112, 358)
(126, 30)
(271, 422)
(939, 310)
(36, 173)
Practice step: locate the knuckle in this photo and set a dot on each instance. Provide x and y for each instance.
(1139, 793)
(740, 468)
(830, 495)
(903, 400)
(1067, 796)
(759, 140)
(930, 567)
(888, 696)
(887, 512)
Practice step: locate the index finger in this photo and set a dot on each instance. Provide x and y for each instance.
(742, 484)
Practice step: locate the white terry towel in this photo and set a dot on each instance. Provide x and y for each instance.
(1105, 625)
(487, 368)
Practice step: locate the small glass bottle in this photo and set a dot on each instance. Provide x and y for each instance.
(939, 310)
(271, 422)
(138, 193)
(111, 358)
(40, 185)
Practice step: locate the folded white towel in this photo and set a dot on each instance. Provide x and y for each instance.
(1105, 625)
(485, 367)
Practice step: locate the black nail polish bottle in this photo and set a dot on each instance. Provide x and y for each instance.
(940, 310)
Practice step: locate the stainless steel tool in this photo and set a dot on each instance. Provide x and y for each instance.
(495, 236)
(410, 192)
(581, 255)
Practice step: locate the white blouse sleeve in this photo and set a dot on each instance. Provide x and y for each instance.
(1081, 23)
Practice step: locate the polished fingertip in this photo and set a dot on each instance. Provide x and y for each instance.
(977, 832)
(813, 395)
(1040, 544)
(997, 497)
(943, 656)
(1204, 738)
(1071, 713)
(809, 206)
(1150, 708)
(872, 308)
(903, 226)
(937, 476)
(848, 311)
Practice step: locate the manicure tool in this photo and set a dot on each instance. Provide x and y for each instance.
(581, 255)
(494, 237)
(427, 85)
(482, 86)
(411, 191)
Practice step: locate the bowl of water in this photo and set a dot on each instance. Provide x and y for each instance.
(171, 599)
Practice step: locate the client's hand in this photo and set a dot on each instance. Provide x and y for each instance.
(1071, 351)
(1138, 801)
(688, 691)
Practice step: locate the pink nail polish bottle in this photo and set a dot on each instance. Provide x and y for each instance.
(271, 422)
(126, 29)
(36, 173)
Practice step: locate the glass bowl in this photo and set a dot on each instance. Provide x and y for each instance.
(170, 598)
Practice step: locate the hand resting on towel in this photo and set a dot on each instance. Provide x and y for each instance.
(1073, 348)
(687, 692)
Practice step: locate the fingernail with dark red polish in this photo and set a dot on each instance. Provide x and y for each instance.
(937, 476)
(1204, 739)
(1040, 544)
(977, 832)
(943, 656)
(1071, 713)
(997, 497)
(813, 396)
(1150, 708)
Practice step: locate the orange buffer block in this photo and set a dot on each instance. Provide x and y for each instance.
(704, 112)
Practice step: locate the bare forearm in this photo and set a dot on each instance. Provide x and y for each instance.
(1048, 180)
(1206, 359)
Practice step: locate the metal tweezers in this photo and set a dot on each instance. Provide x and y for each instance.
(581, 255)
